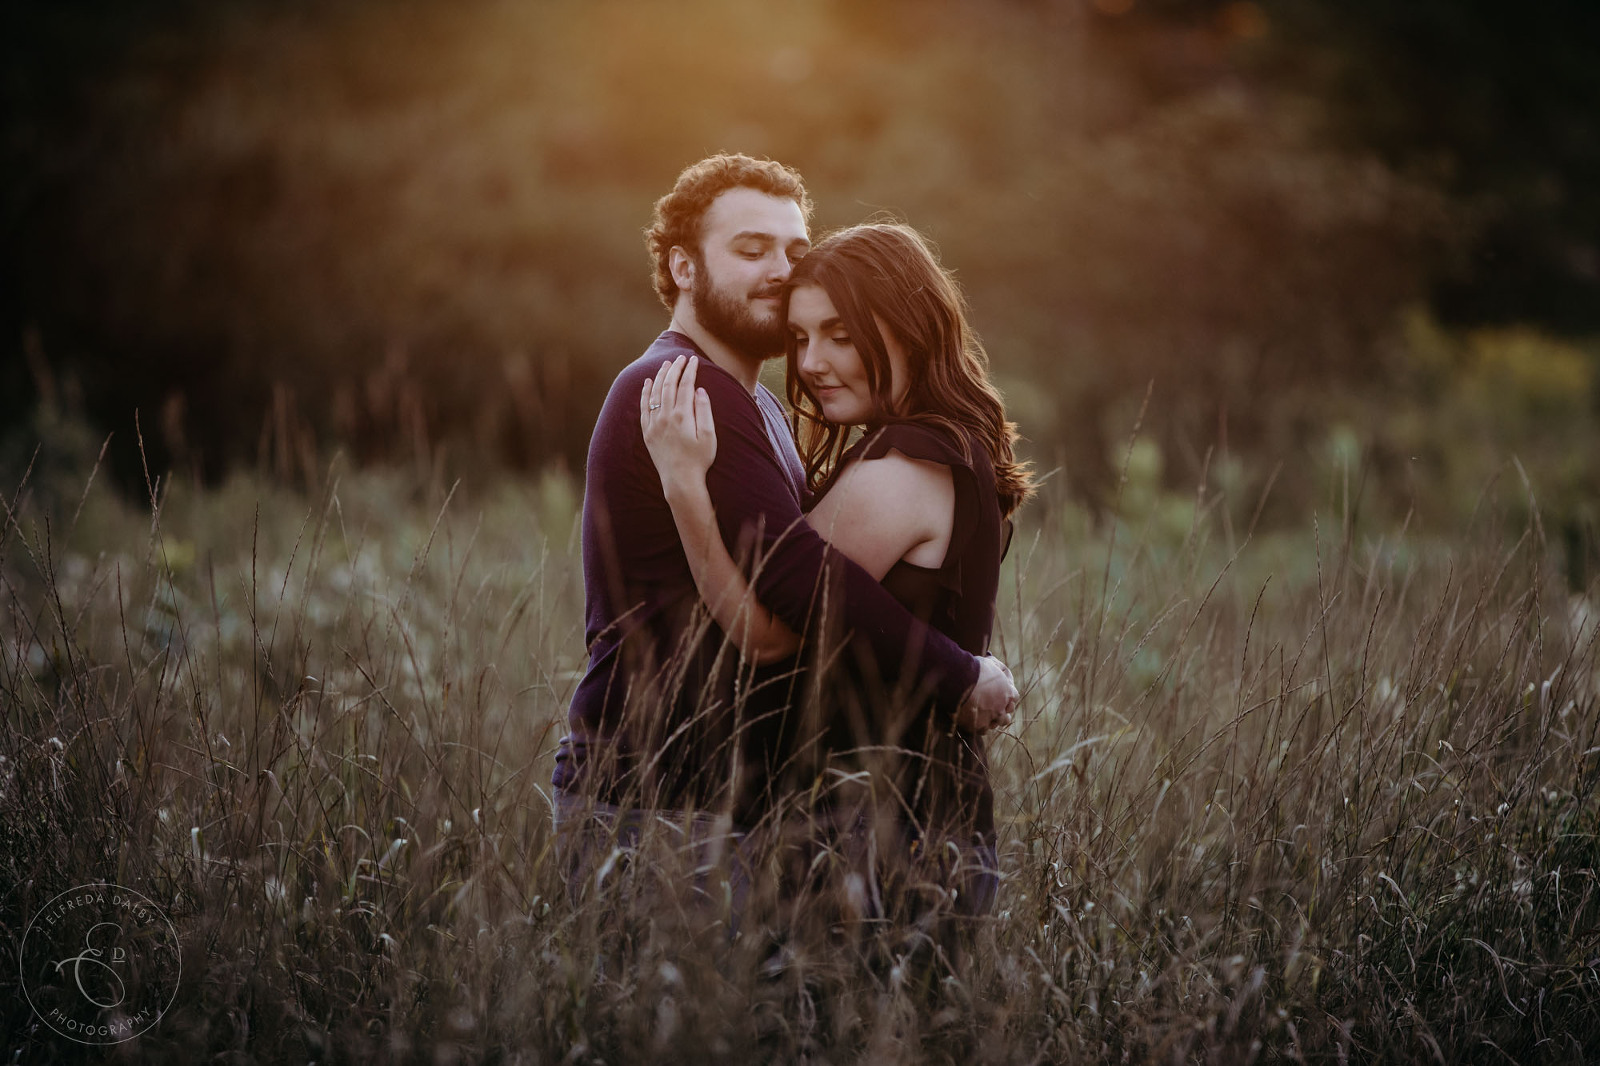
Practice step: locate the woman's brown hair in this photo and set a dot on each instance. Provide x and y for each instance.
(887, 271)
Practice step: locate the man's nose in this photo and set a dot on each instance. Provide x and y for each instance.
(779, 266)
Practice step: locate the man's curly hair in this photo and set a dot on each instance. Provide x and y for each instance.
(679, 213)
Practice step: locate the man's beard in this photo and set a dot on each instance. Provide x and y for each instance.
(732, 321)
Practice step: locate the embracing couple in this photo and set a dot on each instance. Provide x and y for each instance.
(788, 620)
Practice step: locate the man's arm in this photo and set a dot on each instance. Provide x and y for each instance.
(748, 491)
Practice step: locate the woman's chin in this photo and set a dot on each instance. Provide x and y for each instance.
(840, 414)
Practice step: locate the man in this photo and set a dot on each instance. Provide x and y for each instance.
(665, 713)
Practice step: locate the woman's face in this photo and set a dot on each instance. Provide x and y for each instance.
(828, 363)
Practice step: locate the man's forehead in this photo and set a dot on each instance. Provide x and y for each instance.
(746, 211)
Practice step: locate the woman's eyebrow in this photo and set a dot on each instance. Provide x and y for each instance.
(822, 327)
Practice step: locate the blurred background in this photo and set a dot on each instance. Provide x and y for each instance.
(1343, 254)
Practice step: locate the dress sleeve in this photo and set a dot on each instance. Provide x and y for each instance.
(749, 492)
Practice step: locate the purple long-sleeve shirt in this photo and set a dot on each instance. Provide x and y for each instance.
(664, 714)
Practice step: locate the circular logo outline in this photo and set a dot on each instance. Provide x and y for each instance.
(92, 956)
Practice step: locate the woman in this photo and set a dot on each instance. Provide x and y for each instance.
(878, 339)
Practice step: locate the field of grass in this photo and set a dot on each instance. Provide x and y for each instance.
(1324, 794)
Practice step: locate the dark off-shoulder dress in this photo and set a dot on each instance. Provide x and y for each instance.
(940, 772)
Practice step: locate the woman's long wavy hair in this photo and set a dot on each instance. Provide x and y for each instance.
(886, 271)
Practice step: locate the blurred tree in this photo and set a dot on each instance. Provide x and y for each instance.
(1497, 103)
(1501, 102)
(272, 226)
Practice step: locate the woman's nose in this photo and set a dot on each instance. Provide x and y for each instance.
(811, 362)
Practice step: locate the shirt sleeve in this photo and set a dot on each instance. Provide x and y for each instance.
(751, 497)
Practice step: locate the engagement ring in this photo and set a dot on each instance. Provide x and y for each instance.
(654, 406)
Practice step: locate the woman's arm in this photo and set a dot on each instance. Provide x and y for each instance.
(682, 438)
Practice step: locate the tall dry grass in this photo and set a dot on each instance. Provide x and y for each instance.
(1312, 796)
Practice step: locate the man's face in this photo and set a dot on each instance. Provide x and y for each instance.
(749, 242)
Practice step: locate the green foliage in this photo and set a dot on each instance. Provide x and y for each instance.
(1499, 402)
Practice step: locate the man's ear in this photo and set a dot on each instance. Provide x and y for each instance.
(682, 265)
